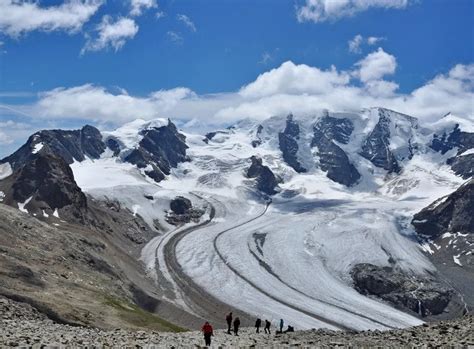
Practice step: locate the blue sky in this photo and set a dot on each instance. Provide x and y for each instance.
(221, 47)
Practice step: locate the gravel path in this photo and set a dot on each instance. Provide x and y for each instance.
(21, 325)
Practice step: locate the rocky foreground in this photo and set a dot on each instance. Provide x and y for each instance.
(23, 326)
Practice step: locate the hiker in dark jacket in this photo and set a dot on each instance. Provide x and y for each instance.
(281, 325)
(236, 326)
(258, 323)
(228, 318)
(267, 326)
(208, 333)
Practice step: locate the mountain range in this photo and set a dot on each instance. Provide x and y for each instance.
(337, 220)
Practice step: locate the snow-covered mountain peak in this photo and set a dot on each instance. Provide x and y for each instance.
(448, 122)
(131, 133)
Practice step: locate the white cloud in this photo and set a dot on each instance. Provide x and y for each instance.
(187, 21)
(357, 41)
(160, 14)
(174, 37)
(373, 40)
(21, 17)
(138, 6)
(291, 87)
(294, 79)
(111, 34)
(376, 65)
(96, 103)
(323, 10)
(354, 44)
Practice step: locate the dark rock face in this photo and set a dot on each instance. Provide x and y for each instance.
(50, 182)
(113, 145)
(336, 129)
(462, 165)
(91, 142)
(210, 135)
(162, 148)
(266, 180)
(376, 147)
(258, 140)
(69, 145)
(453, 215)
(182, 211)
(180, 205)
(421, 295)
(332, 158)
(457, 138)
(289, 145)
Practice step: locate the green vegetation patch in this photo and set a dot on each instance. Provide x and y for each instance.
(138, 317)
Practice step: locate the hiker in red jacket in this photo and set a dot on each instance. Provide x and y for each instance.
(208, 333)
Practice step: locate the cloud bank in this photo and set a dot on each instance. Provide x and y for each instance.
(296, 88)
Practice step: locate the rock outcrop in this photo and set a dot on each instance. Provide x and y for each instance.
(332, 159)
(265, 179)
(455, 139)
(288, 141)
(182, 211)
(376, 146)
(338, 129)
(180, 205)
(420, 295)
(462, 165)
(451, 214)
(159, 150)
(258, 140)
(71, 146)
(43, 185)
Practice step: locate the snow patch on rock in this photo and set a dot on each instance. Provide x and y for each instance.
(37, 148)
(21, 205)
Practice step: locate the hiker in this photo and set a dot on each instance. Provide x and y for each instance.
(281, 325)
(208, 333)
(267, 326)
(258, 323)
(228, 318)
(236, 326)
(290, 329)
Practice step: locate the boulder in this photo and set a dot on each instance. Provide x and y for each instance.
(180, 205)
